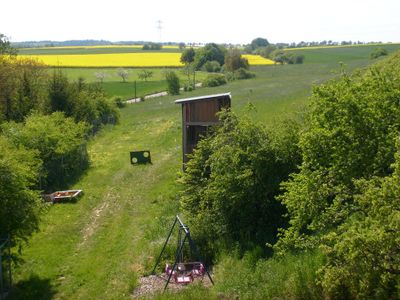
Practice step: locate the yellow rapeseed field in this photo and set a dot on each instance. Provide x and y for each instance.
(257, 60)
(140, 59)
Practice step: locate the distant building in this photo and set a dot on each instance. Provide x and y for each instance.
(198, 114)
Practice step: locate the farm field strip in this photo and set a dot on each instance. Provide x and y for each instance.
(257, 60)
(111, 60)
(139, 59)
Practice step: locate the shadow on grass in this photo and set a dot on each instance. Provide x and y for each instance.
(33, 288)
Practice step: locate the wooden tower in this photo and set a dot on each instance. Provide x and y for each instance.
(198, 114)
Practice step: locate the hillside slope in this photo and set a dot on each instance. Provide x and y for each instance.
(97, 247)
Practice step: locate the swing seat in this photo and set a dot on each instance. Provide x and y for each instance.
(184, 279)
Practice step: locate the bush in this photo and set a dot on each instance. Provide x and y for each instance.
(95, 110)
(212, 66)
(214, 80)
(188, 88)
(347, 139)
(209, 52)
(172, 83)
(243, 74)
(235, 61)
(20, 201)
(280, 56)
(60, 143)
(378, 52)
(363, 254)
(119, 102)
(230, 183)
(152, 46)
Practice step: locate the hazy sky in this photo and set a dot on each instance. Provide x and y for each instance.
(220, 21)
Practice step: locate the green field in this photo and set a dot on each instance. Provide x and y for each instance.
(98, 247)
(114, 86)
(344, 54)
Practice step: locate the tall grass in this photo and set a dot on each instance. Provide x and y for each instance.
(289, 277)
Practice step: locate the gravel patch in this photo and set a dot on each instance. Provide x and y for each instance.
(153, 284)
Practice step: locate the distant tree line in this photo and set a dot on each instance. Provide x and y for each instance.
(152, 46)
(49, 43)
(214, 58)
(274, 52)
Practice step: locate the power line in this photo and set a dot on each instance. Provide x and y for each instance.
(159, 27)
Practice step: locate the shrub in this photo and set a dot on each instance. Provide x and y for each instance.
(209, 52)
(20, 201)
(212, 66)
(231, 181)
(363, 257)
(235, 61)
(378, 52)
(152, 46)
(347, 139)
(60, 143)
(188, 88)
(214, 80)
(119, 102)
(243, 74)
(172, 83)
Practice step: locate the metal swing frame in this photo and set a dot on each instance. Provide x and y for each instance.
(183, 229)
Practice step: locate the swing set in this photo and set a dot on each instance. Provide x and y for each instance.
(183, 272)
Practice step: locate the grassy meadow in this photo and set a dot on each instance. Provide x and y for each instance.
(98, 247)
(114, 85)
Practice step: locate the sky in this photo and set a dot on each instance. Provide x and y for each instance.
(204, 21)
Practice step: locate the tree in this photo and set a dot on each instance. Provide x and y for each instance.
(378, 52)
(363, 257)
(152, 46)
(21, 87)
(100, 76)
(145, 74)
(234, 61)
(5, 46)
(187, 56)
(209, 52)
(60, 93)
(266, 51)
(280, 56)
(214, 80)
(20, 201)
(347, 139)
(172, 83)
(59, 142)
(212, 66)
(230, 182)
(123, 74)
(258, 43)
(8, 86)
